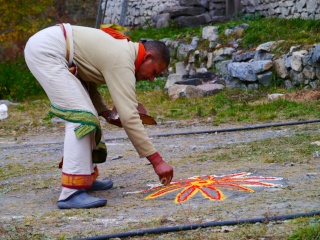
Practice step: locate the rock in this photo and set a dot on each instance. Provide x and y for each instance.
(269, 46)
(262, 55)
(210, 32)
(261, 66)
(172, 79)
(296, 77)
(191, 81)
(224, 51)
(175, 90)
(314, 84)
(265, 78)
(210, 89)
(193, 21)
(316, 54)
(209, 62)
(280, 68)
(8, 103)
(243, 56)
(296, 63)
(116, 157)
(178, 11)
(243, 71)
(191, 91)
(3, 111)
(181, 68)
(183, 51)
(163, 20)
(222, 67)
(201, 70)
(288, 84)
(275, 96)
(309, 72)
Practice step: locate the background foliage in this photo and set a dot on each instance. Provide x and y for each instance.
(19, 20)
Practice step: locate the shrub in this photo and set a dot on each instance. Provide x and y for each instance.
(16, 81)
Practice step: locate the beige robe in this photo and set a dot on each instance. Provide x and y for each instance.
(100, 59)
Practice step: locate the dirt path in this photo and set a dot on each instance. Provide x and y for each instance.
(30, 183)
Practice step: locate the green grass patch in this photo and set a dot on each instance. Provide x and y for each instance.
(271, 150)
(306, 32)
(279, 109)
(309, 229)
(12, 170)
(228, 106)
(173, 32)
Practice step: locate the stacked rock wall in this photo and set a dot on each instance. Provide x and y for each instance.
(160, 12)
(198, 12)
(235, 68)
(138, 12)
(305, 9)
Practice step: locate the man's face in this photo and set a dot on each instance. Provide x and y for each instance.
(150, 68)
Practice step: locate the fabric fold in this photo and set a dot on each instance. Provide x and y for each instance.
(88, 123)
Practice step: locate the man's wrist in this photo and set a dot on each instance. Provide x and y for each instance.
(155, 159)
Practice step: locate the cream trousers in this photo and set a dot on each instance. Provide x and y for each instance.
(45, 55)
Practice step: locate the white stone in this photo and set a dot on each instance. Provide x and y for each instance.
(3, 111)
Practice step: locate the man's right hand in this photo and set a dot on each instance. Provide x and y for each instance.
(162, 169)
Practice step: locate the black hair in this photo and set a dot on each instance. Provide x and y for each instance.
(158, 48)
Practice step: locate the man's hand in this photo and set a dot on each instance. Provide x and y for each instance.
(108, 116)
(162, 169)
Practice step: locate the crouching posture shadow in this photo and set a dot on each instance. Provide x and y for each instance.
(70, 62)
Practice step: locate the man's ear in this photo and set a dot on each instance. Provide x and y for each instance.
(147, 57)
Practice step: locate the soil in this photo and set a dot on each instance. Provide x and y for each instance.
(30, 190)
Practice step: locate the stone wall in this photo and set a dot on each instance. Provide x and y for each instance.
(305, 9)
(155, 12)
(160, 12)
(139, 12)
(192, 74)
(192, 13)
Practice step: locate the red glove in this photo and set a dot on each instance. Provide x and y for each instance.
(162, 169)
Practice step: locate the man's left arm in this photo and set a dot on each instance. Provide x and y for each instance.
(96, 98)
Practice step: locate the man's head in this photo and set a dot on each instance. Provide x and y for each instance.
(155, 61)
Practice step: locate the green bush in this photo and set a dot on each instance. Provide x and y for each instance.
(16, 81)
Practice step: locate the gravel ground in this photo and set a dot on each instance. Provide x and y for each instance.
(30, 190)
